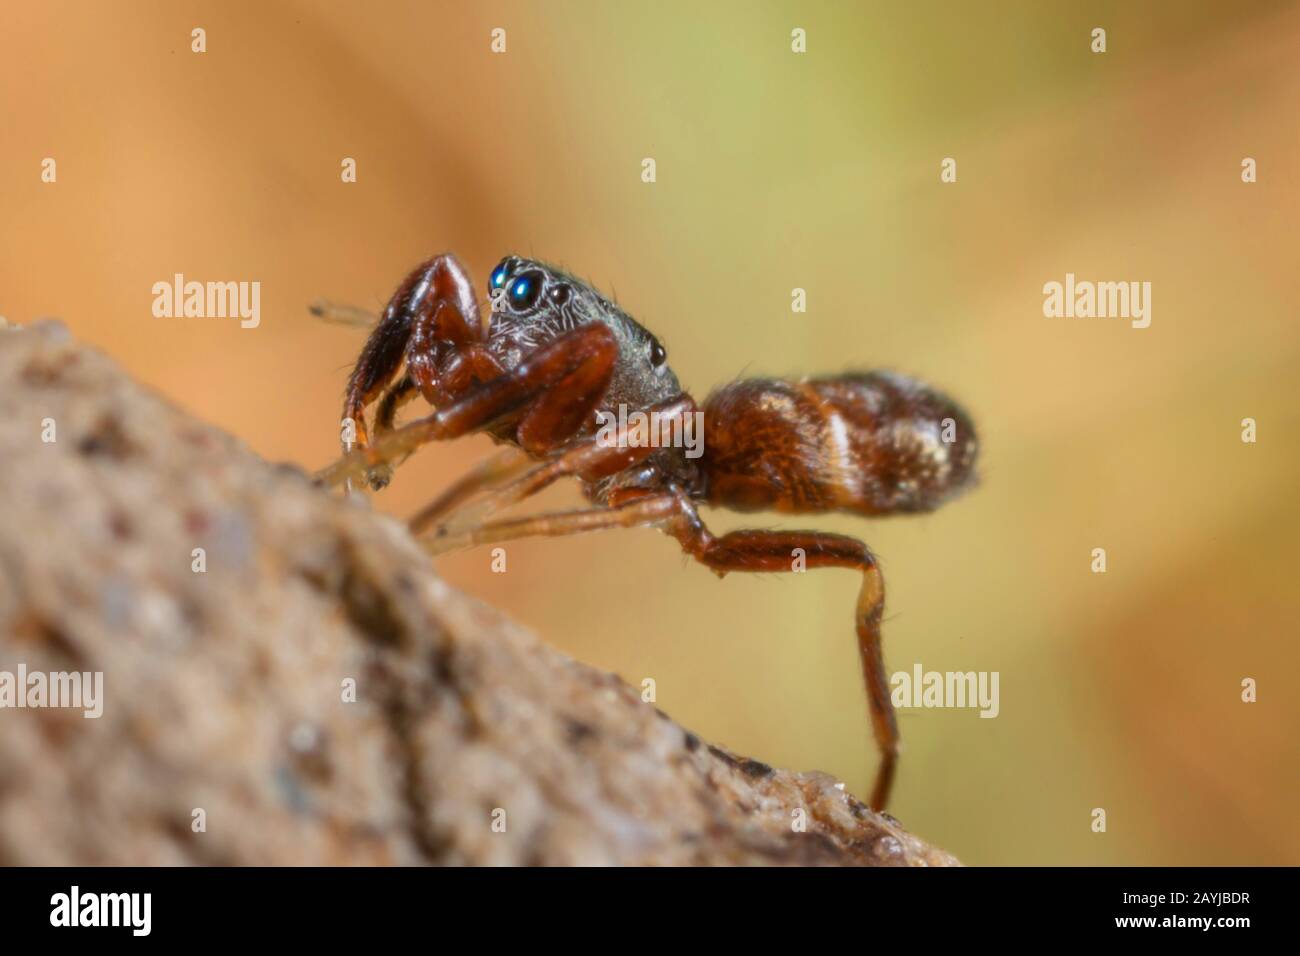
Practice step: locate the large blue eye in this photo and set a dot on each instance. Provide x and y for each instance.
(525, 289)
(498, 277)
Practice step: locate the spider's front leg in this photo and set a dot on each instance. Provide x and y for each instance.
(434, 310)
(551, 395)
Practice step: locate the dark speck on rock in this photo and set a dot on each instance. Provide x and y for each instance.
(578, 731)
(107, 439)
(725, 757)
(196, 522)
(120, 525)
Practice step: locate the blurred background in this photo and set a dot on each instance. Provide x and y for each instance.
(774, 171)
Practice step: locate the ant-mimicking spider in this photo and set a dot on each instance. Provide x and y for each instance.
(553, 357)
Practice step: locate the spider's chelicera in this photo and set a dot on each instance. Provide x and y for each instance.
(554, 358)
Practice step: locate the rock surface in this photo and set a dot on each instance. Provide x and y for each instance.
(225, 735)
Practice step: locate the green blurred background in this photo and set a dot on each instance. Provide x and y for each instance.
(777, 171)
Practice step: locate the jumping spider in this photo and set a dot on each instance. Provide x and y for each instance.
(552, 353)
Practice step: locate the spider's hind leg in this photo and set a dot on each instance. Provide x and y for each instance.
(777, 551)
(735, 551)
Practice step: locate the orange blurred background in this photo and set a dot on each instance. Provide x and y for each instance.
(777, 170)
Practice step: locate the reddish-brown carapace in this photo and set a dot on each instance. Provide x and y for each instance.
(562, 374)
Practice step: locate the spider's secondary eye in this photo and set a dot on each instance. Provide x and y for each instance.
(559, 294)
(525, 289)
(658, 354)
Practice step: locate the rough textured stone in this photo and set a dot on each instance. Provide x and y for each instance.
(223, 689)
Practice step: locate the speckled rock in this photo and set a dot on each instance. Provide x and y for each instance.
(304, 689)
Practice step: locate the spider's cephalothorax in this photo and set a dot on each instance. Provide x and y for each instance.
(554, 361)
(533, 303)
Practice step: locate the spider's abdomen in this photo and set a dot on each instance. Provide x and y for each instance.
(869, 442)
